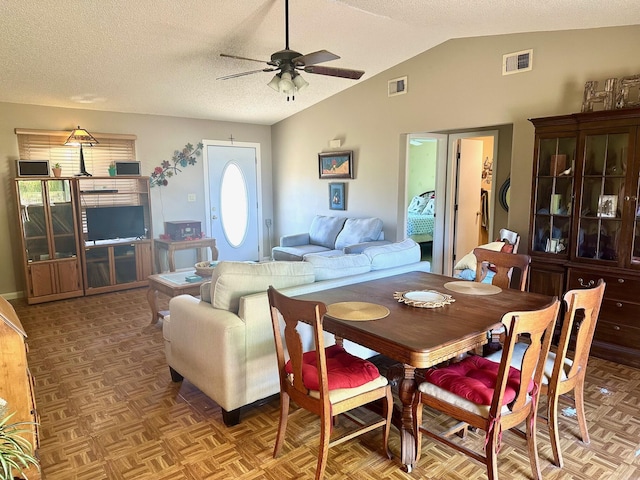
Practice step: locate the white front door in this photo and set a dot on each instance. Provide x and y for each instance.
(231, 181)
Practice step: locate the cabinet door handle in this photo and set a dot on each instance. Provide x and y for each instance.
(589, 284)
(627, 198)
(619, 304)
(616, 327)
(621, 280)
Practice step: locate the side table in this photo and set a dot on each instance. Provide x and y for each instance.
(170, 246)
(171, 284)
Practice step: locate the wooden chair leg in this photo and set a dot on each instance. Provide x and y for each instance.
(532, 444)
(416, 409)
(387, 411)
(282, 425)
(554, 435)
(582, 419)
(491, 453)
(325, 435)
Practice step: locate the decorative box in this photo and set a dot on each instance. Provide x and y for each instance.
(181, 230)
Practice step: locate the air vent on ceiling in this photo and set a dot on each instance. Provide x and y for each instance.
(397, 86)
(517, 62)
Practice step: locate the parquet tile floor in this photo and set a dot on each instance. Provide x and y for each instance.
(110, 411)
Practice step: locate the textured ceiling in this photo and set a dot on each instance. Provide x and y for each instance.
(162, 56)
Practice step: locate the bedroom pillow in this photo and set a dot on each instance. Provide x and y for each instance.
(417, 204)
(469, 260)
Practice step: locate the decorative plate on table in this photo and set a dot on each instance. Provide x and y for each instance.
(424, 298)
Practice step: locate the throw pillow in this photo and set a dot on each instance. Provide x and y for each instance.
(359, 230)
(417, 204)
(324, 230)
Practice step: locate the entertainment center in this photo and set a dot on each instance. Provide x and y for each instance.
(84, 235)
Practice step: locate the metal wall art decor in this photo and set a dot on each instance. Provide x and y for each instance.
(616, 93)
(181, 159)
(336, 164)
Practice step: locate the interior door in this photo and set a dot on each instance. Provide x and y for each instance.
(467, 205)
(233, 211)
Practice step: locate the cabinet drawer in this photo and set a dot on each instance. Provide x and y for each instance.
(618, 286)
(621, 313)
(617, 334)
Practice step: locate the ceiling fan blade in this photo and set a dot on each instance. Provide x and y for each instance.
(334, 72)
(236, 75)
(315, 57)
(242, 58)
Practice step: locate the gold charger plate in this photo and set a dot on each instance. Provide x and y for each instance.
(424, 298)
(472, 288)
(357, 311)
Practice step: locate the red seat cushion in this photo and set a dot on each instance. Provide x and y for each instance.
(343, 369)
(474, 378)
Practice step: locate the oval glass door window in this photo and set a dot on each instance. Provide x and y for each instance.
(234, 205)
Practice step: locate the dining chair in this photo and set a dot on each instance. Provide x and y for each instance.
(503, 264)
(564, 372)
(325, 381)
(490, 396)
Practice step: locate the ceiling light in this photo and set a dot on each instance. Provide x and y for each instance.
(286, 85)
(275, 83)
(300, 82)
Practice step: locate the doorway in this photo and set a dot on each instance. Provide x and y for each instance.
(231, 172)
(463, 189)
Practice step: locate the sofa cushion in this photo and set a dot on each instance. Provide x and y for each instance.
(232, 280)
(295, 254)
(336, 266)
(393, 254)
(358, 230)
(324, 230)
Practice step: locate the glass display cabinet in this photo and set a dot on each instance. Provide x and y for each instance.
(585, 219)
(49, 239)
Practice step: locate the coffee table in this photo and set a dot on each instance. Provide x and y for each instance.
(171, 284)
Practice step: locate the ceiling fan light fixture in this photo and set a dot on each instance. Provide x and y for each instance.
(286, 83)
(300, 82)
(275, 83)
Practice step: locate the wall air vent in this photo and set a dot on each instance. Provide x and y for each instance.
(397, 86)
(517, 62)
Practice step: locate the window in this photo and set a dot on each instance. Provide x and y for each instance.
(49, 145)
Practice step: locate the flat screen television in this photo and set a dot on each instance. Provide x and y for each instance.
(110, 223)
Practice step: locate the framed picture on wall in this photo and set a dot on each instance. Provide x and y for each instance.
(337, 200)
(336, 164)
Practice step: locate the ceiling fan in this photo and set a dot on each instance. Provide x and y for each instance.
(287, 63)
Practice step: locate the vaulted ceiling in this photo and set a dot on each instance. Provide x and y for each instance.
(163, 56)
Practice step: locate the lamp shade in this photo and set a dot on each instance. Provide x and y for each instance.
(286, 85)
(300, 82)
(79, 137)
(275, 83)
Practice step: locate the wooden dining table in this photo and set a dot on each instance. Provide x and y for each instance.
(421, 337)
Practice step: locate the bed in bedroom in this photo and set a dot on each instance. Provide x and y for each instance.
(421, 217)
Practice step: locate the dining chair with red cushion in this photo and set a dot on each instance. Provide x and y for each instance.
(493, 397)
(325, 381)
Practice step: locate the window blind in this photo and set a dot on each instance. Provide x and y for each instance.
(49, 145)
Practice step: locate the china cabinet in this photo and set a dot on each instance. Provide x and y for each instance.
(49, 239)
(585, 219)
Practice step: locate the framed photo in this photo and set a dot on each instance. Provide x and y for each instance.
(607, 206)
(336, 164)
(337, 200)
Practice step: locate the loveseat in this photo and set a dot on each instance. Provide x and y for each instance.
(223, 342)
(329, 235)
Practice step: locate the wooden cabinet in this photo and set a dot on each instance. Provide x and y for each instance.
(68, 253)
(585, 219)
(16, 383)
(116, 232)
(49, 239)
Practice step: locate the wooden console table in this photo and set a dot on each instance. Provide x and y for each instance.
(170, 246)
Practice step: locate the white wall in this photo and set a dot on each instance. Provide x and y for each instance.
(454, 86)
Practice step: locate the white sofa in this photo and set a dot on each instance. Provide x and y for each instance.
(223, 342)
